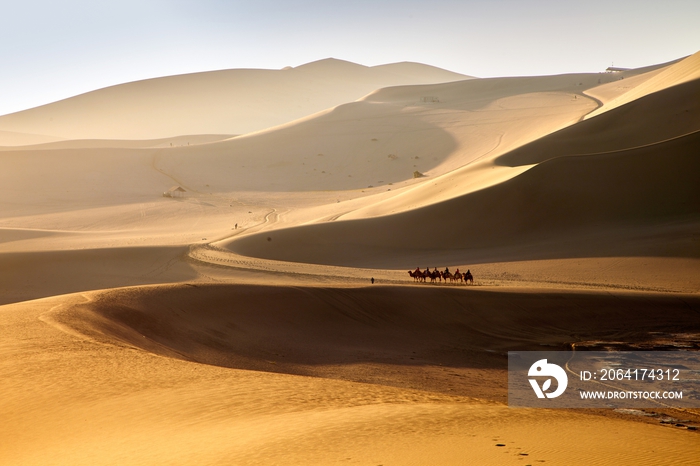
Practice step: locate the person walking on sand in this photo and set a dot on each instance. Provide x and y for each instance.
(372, 280)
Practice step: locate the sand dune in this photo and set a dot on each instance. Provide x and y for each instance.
(334, 332)
(677, 73)
(206, 330)
(622, 81)
(78, 178)
(79, 401)
(387, 136)
(12, 138)
(350, 147)
(632, 179)
(39, 274)
(652, 119)
(217, 102)
(640, 201)
(176, 141)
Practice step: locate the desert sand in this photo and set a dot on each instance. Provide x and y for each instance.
(235, 322)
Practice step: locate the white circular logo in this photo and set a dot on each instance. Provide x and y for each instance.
(543, 369)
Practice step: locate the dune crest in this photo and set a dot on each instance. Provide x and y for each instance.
(629, 185)
(12, 138)
(388, 135)
(177, 141)
(217, 102)
(677, 73)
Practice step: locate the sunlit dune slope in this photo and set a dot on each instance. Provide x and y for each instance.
(623, 91)
(612, 204)
(623, 81)
(472, 167)
(184, 140)
(638, 201)
(217, 102)
(382, 139)
(387, 136)
(651, 119)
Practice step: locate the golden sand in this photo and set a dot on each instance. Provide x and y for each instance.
(237, 324)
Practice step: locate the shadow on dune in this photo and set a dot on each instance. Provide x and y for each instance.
(39, 274)
(640, 202)
(351, 146)
(621, 184)
(655, 118)
(332, 331)
(633, 193)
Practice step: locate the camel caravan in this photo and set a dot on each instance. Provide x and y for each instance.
(435, 275)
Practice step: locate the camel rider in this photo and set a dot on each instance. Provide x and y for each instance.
(456, 271)
(447, 270)
(417, 270)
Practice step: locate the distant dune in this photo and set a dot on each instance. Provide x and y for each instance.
(216, 102)
(568, 207)
(633, 174)
(175, 141)
(11, 138)
(387, 135)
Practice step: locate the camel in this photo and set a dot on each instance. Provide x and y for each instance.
(421, 276)
(468, 277)
(432, 275)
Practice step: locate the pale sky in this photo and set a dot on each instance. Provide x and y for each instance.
(54, 49)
